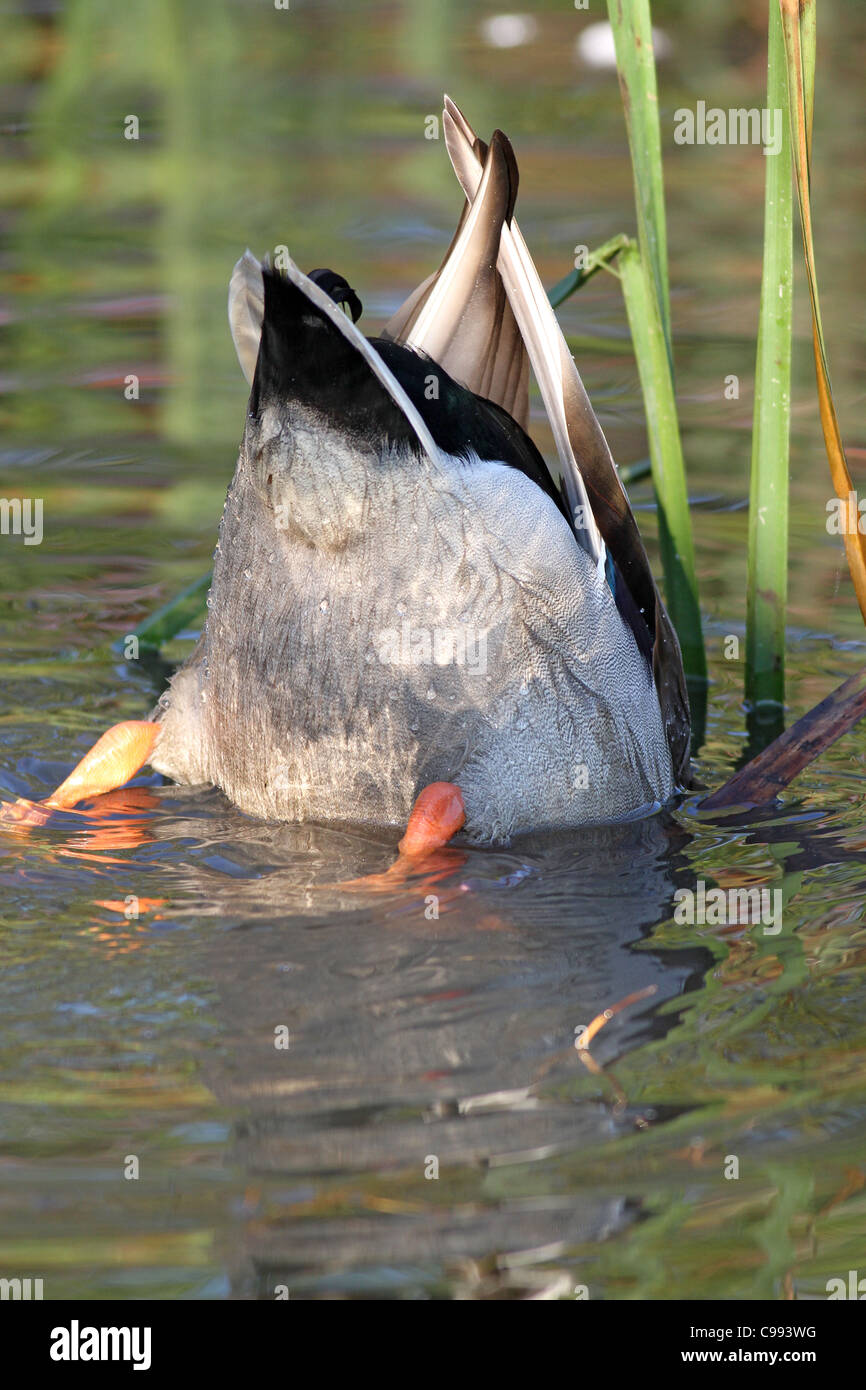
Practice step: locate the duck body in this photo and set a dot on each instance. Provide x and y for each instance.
(384, 616)
(411, 622)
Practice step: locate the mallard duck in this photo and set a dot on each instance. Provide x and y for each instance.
(407, 610)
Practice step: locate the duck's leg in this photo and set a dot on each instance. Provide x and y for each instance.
(438, 814)
(114, 758)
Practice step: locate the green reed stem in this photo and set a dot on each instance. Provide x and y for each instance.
(767, 583)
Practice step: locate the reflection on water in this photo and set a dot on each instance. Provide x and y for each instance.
(287, 1060)
(157, 951)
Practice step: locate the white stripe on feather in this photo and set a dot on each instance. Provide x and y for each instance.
(441, 292)
(246, 308)
(547, 348)
(332, 311)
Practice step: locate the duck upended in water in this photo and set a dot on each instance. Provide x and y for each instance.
(402, 596)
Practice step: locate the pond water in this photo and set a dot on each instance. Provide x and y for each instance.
(416, 1043)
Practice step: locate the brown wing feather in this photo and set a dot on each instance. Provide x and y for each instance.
(461, 316)
(587, 463)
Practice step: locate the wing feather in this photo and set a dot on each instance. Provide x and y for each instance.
(246, 311)
(461, 316)
(589, 472)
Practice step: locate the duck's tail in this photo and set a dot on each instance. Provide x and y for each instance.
(589, 474)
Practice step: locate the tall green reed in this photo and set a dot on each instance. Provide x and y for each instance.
(767, 565)
(644, 275)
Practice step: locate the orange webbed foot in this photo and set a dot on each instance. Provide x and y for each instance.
(114, 758)
(438, 814)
